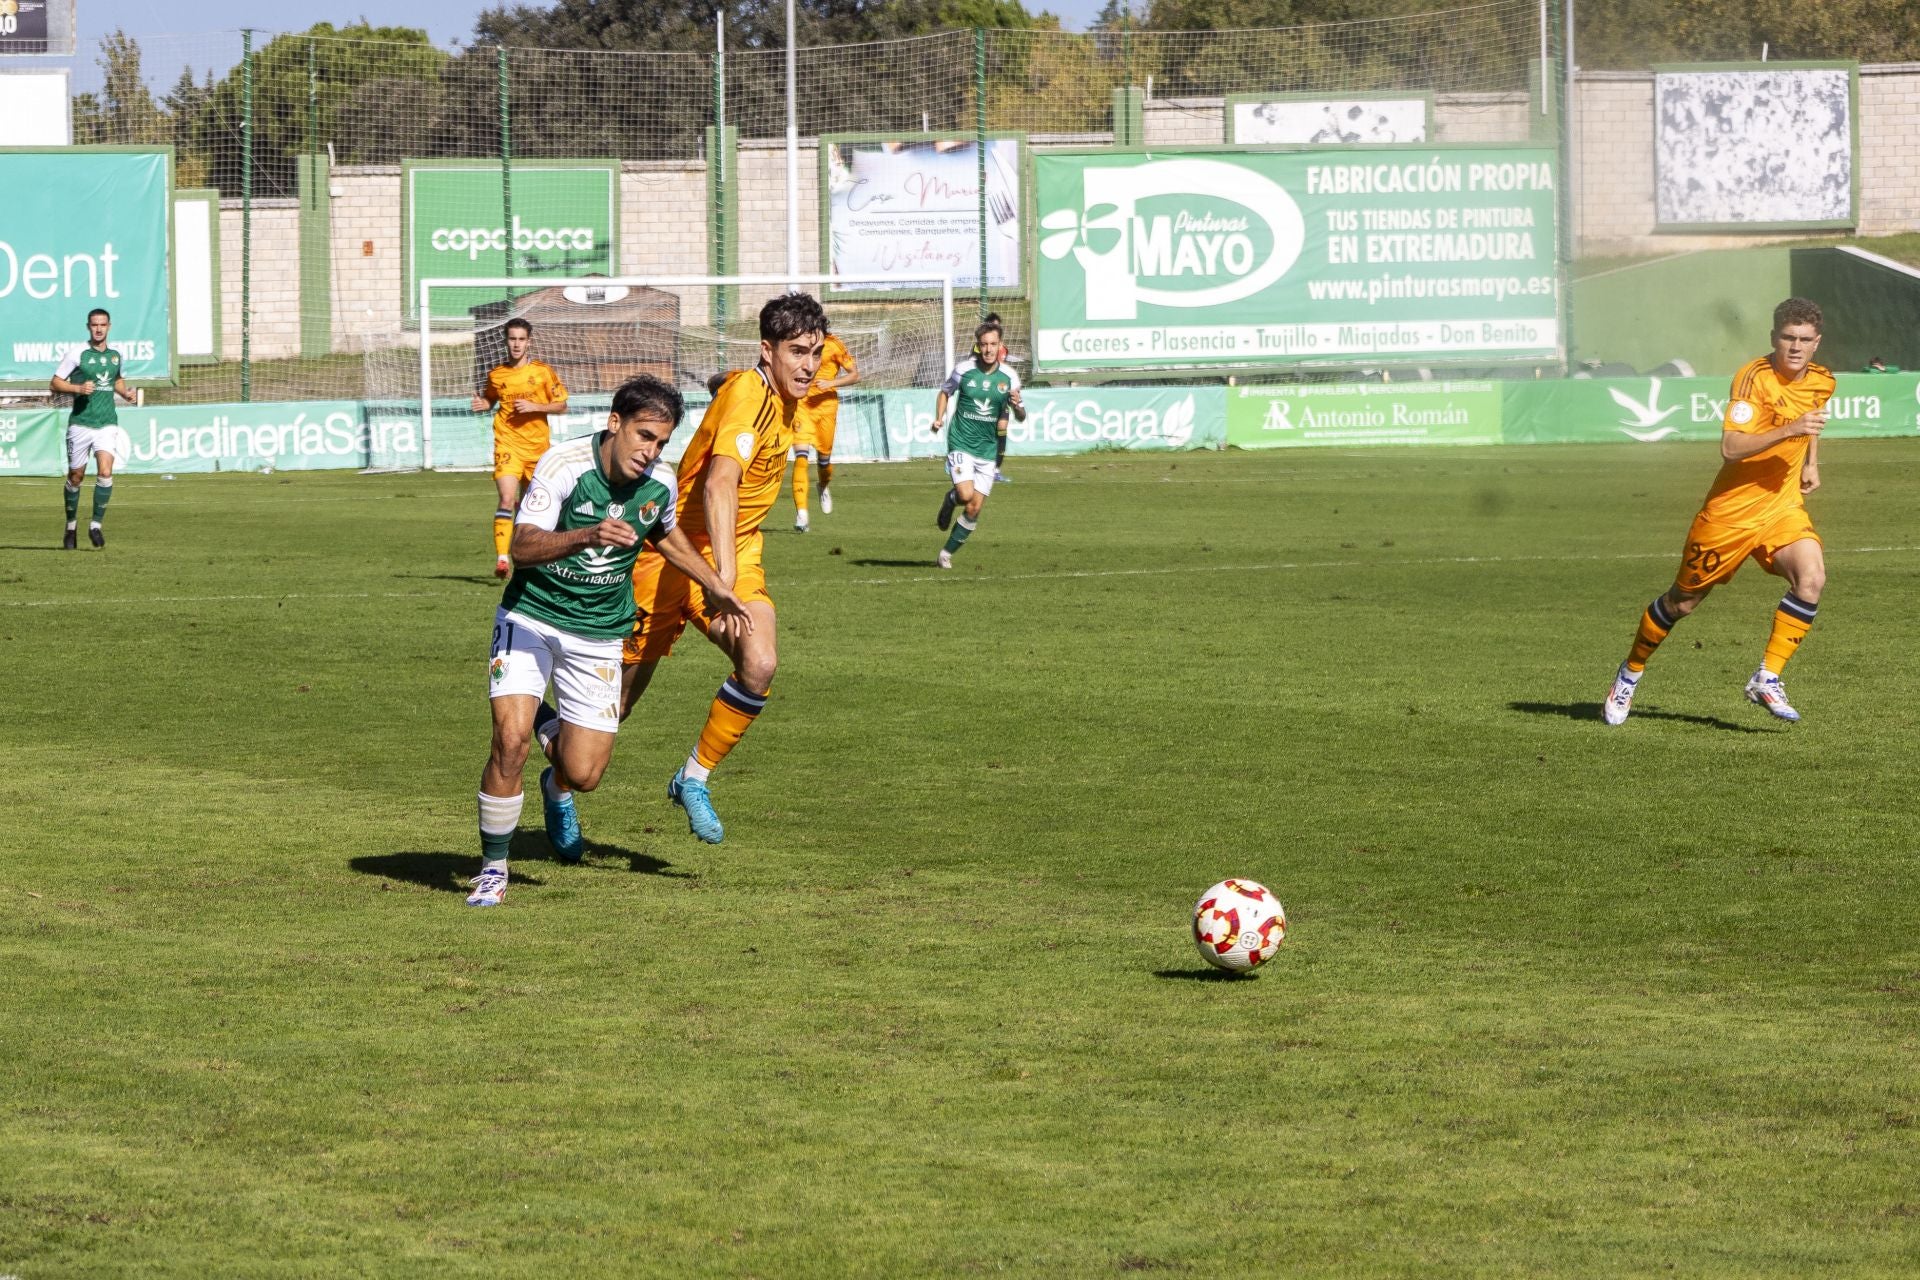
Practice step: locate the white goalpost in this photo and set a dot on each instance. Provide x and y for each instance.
(626, 324)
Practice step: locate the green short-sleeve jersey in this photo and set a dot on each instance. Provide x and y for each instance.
(589, 593)
(102, 369)
(980, 400)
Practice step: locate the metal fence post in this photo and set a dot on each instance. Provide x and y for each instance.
(980, 151)
(246, 216)
(506, 162)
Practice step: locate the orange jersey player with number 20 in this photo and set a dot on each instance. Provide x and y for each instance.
(729, 478)
(1770, 446)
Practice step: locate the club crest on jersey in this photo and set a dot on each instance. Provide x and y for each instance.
(647, 512)
(614, 509)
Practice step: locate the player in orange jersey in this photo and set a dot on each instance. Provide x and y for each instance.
(729, 478)
(813, 426)
(1770, 444)
(522, 392)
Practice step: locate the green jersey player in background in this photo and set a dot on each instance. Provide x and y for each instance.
(91, 376)
(984, 391)
(567, 609)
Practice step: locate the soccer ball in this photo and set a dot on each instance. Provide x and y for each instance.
(1238, 925)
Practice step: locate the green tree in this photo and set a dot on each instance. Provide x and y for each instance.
(1634, 34)
(123, 112)
(184, 103)
(372, 92)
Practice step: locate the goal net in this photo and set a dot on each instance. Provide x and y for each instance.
(596, 332)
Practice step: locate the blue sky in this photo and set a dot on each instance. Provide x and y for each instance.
(445, 20)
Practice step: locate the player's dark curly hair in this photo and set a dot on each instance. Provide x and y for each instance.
(1798, 311)
(521, 323)
(790, 315)
(646, 394)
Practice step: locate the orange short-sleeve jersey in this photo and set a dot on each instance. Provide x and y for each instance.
(1757, 489)
(534, 380)
(752, 424)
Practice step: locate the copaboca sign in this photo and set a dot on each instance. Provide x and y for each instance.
(1245, 258)
(564, 220)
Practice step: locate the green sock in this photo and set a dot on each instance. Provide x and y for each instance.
(73, 503)
(961, 528)
(102, 493)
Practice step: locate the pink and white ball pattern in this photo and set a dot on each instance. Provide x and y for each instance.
(1238, 925)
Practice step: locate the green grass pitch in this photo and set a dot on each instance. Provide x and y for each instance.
(1557, 999)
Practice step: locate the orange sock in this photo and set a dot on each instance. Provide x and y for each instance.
(1792, 620)
(1654, 625)
(502, 531)
(730, 716)
(800, 481)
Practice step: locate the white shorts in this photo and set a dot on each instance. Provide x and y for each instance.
(527, 653)
(84, 442)
(977, 472)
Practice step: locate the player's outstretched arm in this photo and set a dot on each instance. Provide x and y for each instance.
(678, 550)
(534, 546)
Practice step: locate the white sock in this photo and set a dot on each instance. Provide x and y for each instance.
(499, 817)
(551, 788)
(695, 770)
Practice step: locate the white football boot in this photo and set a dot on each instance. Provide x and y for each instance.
(1765, 688)
(1620, 698)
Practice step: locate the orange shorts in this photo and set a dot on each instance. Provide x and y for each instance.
(516, 456)
(1715, 551)
(666, 600)
(814, 426)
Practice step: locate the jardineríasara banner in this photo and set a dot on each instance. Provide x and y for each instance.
(84, 229)
(1234, 258)
(897, 425)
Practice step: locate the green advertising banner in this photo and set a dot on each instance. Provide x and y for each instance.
(85, 228)
(1362, 413)
(566, 222)
(1244, 258)
(1648, 410)
(896, 425)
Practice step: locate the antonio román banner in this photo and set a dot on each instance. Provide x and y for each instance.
(1644, 410)
(1238, 258)
(81, 229)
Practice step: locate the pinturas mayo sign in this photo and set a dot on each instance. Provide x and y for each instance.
(1248, 258)
(565, 217)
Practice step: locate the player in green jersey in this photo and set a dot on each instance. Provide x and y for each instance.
(91, 375)
(984, 391)
(568, 607)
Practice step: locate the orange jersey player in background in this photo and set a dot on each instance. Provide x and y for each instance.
(1770, 451)
(813, 426)
(521, 392)
(729, 478)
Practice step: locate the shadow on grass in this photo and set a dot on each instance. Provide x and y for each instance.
(35, 547)
(478, 580)
(1591, 711)
(1203, 975)
(452, 871)
(924, 562)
